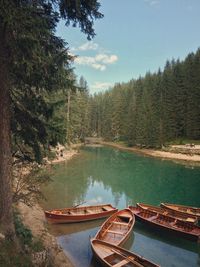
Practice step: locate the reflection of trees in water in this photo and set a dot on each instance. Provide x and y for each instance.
(137, 178)
(68, 188)
(71, 228)
(145, 179)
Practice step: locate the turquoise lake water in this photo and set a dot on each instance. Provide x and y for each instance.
(106, 175)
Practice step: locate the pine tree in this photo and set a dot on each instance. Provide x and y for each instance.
(32, 60)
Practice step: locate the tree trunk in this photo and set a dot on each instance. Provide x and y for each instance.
(6, 214)
(68, 115)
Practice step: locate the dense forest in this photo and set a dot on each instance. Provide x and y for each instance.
(152, 110)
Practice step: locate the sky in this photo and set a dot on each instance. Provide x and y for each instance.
(134, 37)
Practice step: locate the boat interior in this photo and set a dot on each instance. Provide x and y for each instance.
(116, 258)
(193, 211)
(114, 231)
(169, 221)
(84, 210)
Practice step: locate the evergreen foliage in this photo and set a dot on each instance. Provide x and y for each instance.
(153, 110)
(34, 68)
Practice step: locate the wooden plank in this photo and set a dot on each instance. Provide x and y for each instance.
(114, 232)
(119, 223)
(121, 263)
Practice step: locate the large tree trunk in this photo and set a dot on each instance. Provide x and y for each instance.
(6, 215)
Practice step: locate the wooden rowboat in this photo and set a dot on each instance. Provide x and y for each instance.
(117, 228)
(80, 214)
(173, 213)
(114, 256)
(164, 222)
(183, 209)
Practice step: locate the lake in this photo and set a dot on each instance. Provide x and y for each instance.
(106, 175)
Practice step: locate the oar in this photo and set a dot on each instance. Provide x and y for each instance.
(128, 258)
(79, 204)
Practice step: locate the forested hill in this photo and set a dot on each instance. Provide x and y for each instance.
(154, 109)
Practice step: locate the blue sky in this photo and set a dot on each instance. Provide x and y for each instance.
(135, 36)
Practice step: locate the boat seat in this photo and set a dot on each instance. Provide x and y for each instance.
(173, 223)
(115, 232)
(106, 258)
(125, 216)
(121, 263)
(153, 218)
(73, 213)
(88, 211)
(119, 223)
(190, 220)
(107, 208)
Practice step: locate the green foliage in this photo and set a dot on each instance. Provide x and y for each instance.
(27, 183)
(23, 233)
(11, 256)
(153, 110)
(51, 155)
(37, 245)
(38, 65)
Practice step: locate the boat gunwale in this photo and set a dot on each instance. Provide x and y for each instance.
(170, 207)
(183, 216)
(64, 218)
(116, 249)
(171, 227)
(104, 229)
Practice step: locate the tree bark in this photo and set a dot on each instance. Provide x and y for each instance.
(68, 115)
(6, 214)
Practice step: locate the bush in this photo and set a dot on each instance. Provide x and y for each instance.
(23, 233)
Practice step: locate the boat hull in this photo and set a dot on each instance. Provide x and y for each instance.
(167, 228)
(80, 214)
(109, 255)
(183, 209)
(176, 214)
(117, 228)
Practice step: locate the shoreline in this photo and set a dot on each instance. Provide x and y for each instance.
(34, 218)
(192, 159)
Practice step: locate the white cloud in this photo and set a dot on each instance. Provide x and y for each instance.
(99, 62)
(84, 60)
(106, 59)
(98, 66)
(152, 2)
(101, 85)
(86, 46)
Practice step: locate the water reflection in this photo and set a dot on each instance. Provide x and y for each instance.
(78, 243)
(105, 175)
(71, 228)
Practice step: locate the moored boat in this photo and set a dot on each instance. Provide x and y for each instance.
(167, 223)
(168, 212)
(117, 228)
(115, 256)
(80, 214)
(183, 209)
